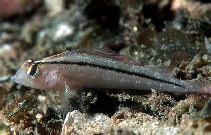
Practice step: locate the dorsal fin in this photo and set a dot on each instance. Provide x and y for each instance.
(95, 53)
(106, 54)
(161, 70)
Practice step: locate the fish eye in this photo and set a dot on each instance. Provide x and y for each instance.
(32, 72)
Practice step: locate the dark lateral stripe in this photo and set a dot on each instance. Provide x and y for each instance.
(113, 69)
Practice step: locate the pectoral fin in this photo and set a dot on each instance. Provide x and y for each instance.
(71, 99)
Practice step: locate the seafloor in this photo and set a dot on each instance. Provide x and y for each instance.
(172, 36)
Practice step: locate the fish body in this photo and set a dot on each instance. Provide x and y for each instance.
(92, 68)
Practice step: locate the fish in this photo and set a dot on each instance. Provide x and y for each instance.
(72, 71)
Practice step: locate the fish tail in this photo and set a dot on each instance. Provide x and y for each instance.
(198, 87)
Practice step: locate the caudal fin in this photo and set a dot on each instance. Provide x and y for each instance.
(198, 87)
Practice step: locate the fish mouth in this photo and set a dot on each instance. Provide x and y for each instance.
(13, 78)
(20, 78)
(16, 78)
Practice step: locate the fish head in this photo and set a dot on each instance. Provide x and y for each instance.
(39, 76)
